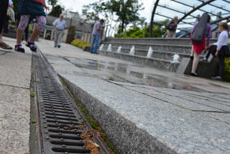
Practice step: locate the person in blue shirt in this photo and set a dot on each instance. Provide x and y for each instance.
(97, 29)
(59, 26)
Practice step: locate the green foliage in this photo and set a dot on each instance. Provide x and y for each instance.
(137, 32)
(15, 5)
(80, 43)
(53, 3)
(94, 10)
(126, 13)
(56, 11)
(227, 70)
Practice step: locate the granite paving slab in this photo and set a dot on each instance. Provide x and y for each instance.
(149, 109)
(15, 69)
(179, 129)
(14, 120)
(15, 75)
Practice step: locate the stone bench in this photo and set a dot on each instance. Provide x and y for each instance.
(205, 69)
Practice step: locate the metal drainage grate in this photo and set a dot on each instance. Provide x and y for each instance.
(60, 126)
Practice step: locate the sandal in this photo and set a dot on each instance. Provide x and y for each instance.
(3, 45)
(19, 48)
(32, 46)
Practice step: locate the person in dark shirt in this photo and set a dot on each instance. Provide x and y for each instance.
(3, 10)
(172, 26)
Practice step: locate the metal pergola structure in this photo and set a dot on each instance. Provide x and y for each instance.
(189, 11)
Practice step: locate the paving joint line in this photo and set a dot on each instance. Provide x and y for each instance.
(12, 86)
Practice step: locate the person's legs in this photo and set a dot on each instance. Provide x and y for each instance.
(41, 25)
(56, 38)
(6, 24)
(195, 62)
(170, 34)
(60, 38)
(3, 10)
(173, 34)
(221, 69)
(92, 43)
(97, 43)
(21, 27)
(24, 19)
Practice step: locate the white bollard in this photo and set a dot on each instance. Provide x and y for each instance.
(119, 49)
(132, 50)
(101, 47)
(109, 48)
(150, 52)
(176, 58)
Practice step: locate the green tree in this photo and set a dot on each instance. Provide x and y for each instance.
(158, 30)
(53, 3)
(125, 12)
(56, 11)
(94, 10)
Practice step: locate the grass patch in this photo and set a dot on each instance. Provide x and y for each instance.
(111, 79)
(32, 93)
(93, 123)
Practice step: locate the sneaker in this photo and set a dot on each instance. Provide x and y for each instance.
(205, 60)
(19, 48)
(59, 46)
(32, 46)
(193, 74)
(217, 78)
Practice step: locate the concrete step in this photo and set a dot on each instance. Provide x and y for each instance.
(171, 41)
(165, 64)
(156, 54)
(157, 47)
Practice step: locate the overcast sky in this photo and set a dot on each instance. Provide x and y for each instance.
(76, 5)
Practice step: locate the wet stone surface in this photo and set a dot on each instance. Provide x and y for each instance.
(181, 113)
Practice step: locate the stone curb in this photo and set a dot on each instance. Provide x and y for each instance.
(124, 135)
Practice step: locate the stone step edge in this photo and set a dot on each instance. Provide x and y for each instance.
(137, 56)
(123, 145)
(156, 51)
(145, 44)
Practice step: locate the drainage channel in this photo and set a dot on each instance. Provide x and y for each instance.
(60, 124)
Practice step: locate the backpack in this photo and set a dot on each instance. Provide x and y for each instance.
(200, 29)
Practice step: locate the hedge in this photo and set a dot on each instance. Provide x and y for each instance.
(80, 44)
(227, 70)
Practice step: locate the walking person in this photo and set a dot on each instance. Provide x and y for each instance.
(97, 29)
(30, 8)
(220, 49)
(3, 10)
(202, 27)
(171, 28)
(10, 15)
(58, 27)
